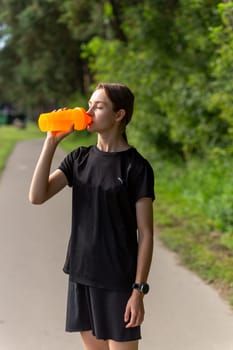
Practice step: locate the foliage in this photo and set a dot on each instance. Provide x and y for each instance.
(40, 63)
(169, 50)
(221, 64)
(177, 60)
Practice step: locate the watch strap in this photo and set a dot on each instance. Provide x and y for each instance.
(141, 287)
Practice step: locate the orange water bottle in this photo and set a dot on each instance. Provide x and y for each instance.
(63, 119)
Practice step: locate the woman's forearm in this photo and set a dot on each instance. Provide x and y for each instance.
(145, 252)
(38, 192)
(144, 210)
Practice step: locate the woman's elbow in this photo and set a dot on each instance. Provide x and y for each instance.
(35, 199)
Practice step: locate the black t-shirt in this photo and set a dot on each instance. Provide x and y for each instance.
(103, 246)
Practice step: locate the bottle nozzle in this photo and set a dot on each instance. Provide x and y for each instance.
(89, 119)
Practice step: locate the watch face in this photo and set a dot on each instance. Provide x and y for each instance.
(145, 288)
(142, 287)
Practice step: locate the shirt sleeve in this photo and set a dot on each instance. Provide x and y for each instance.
(142, 181)
(67, 165)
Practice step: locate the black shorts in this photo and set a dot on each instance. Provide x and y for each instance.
(100, 311)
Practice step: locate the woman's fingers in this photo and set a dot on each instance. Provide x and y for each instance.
(134, 312)
(136, 319)
(59, 135)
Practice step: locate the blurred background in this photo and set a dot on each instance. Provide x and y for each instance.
(176, 56)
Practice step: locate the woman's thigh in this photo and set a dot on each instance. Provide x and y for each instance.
(91, 343)
(128, 345)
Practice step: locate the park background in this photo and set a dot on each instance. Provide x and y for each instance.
(177, 57)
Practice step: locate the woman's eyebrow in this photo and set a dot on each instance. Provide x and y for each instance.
(98, 101)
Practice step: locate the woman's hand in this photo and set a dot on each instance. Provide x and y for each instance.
(134, 312)
(58, 136)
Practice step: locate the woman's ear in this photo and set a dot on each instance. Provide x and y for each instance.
(120, 115)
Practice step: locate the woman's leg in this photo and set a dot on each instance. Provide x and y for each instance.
(127, 345)
(91, 343)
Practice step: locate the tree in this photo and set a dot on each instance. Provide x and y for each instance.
(221, 98)
(166, 61)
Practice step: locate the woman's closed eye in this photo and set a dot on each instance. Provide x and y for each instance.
(94, 106)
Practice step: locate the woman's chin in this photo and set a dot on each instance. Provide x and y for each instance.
(90, 127)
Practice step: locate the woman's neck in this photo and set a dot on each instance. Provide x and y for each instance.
(107, 144)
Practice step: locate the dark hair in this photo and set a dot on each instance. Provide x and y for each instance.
(122, 98)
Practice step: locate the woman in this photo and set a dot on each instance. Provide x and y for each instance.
(111, 243)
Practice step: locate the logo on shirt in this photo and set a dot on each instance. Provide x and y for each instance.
(120, 180)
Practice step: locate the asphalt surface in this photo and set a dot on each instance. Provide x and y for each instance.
(182, 312)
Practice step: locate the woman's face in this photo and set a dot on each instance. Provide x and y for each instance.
(101, 109)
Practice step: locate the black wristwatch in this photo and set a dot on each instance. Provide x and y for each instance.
(141, 287)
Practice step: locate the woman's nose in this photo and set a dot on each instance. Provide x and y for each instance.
(90, 111)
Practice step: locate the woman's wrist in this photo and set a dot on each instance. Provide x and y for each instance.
(137, 294)
(51, 142)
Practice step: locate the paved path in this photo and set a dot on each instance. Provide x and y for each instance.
(182, 312)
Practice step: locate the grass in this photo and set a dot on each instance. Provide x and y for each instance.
(193, 210)
(194, 213)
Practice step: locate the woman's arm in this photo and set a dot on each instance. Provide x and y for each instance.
(43, 185)
(144, 211)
